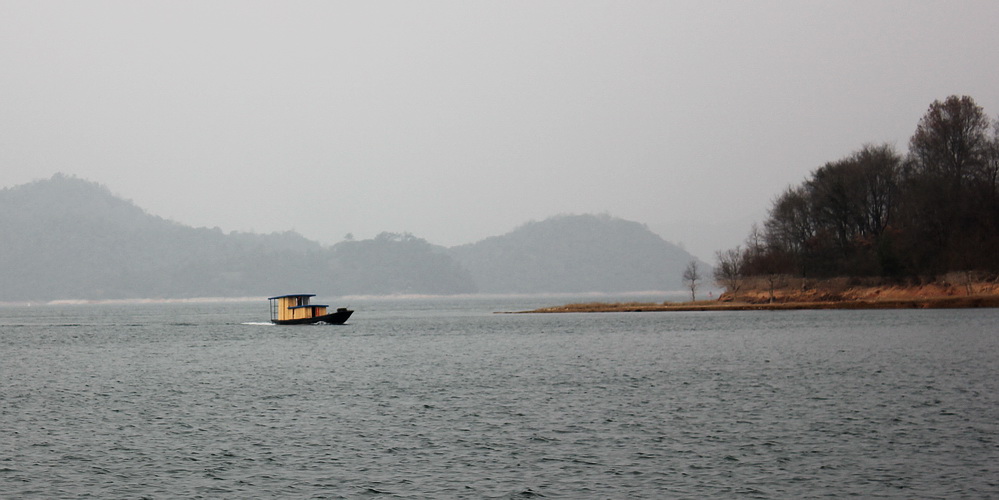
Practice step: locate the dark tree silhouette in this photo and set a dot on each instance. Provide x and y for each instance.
(876, 213)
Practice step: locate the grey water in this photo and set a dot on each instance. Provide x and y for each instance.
(441, 398)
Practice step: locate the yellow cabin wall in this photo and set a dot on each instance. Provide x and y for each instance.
(284, 311)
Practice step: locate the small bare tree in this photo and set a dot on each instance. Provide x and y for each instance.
(691, 276)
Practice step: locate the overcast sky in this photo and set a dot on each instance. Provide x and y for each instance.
(459, 120)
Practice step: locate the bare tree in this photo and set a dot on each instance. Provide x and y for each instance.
(729, 271)
(951, 209)
(952, 140)
(691, 276)
(990, 172)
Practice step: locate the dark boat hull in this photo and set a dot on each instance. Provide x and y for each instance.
(335, 318)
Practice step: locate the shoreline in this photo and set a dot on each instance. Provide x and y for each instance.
(967, 302)
(829, 294)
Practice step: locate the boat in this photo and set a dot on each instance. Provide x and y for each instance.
(296, 309)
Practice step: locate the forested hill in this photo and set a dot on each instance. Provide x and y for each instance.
(576, 253)
(67, 238)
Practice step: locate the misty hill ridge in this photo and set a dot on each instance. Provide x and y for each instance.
(575, 253)
(70, 238)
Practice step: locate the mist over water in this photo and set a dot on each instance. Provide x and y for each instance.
(441, 398)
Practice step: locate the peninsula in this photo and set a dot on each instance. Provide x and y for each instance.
(919, 230)
(826, 294)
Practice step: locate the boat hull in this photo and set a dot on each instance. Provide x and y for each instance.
(335, 318)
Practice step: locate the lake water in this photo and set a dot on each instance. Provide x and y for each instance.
(441, 398)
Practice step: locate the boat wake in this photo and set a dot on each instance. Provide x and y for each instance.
(258, 323)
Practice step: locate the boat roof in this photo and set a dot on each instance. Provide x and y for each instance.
(292, 295)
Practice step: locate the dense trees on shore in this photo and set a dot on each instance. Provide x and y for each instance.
(879, 213)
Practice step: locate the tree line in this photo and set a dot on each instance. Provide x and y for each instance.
(882, 213)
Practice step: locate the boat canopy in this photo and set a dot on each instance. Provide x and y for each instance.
(292, 295)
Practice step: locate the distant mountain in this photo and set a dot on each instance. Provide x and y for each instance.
(397, 263)
(67, 238)
(576, 253)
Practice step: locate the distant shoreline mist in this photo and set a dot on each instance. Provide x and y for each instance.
(132, 301)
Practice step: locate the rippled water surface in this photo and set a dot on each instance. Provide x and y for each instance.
(440, 398)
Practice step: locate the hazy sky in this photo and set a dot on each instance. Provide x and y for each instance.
(458, 120)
